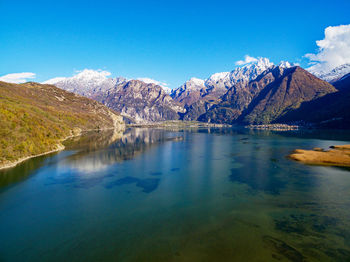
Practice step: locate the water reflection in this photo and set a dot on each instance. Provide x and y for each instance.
(228, 195)
(20, 172)
(96, 153)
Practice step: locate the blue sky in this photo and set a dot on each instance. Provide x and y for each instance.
(169, 41)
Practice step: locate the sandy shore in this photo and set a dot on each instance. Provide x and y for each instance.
(336, 156)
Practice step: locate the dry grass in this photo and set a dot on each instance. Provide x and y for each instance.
(336, 156)
(34, 118)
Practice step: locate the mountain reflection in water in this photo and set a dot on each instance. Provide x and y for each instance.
(97, 151)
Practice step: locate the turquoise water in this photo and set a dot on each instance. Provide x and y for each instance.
(190, 195)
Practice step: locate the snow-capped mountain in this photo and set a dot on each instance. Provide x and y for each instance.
(190, 91)
(218, 84)
(250, 71)
(142, 100)
(335, 74)
(88, 82)
(192, 85)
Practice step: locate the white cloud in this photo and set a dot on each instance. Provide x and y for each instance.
(247, 59)
(333, 50)
(54, 80)
(17, 77)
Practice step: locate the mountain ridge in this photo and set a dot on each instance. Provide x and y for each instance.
(224, 97)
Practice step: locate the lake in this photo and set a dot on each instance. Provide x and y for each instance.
(178, 195)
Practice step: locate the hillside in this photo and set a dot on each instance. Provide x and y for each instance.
(285, 94)
(35, 118)
(329, 111)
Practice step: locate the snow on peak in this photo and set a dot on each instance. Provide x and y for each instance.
(250, 71)
(285, 64)
(87, 76)
(263, 62)
(92, 75)
(195, 82)
(247, 70)
(334, 74)
(85, 82)
(163, 85)
(219, 76)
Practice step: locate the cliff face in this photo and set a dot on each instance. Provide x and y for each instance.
(35, 118)
(141, 102)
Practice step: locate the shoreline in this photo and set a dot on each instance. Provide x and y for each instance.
(59, 147)
(275, 127)
(177, 123)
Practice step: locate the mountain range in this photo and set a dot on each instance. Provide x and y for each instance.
(259, 92)
(136, 100)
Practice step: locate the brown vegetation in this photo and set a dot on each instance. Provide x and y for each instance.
(336, 156)
(35, 118)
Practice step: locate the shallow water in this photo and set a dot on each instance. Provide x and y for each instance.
(215, 195)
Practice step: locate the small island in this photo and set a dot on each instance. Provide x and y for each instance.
(336, 156)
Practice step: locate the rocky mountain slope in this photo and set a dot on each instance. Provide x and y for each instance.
(136, 100)
(34, 119)
(343, 83)
(141, 102)
(257, 92)
(329, 111)
(217, 84)
(268, 97)
(227, 90)
(285, 94)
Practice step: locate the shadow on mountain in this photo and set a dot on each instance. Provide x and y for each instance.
(329, 111)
